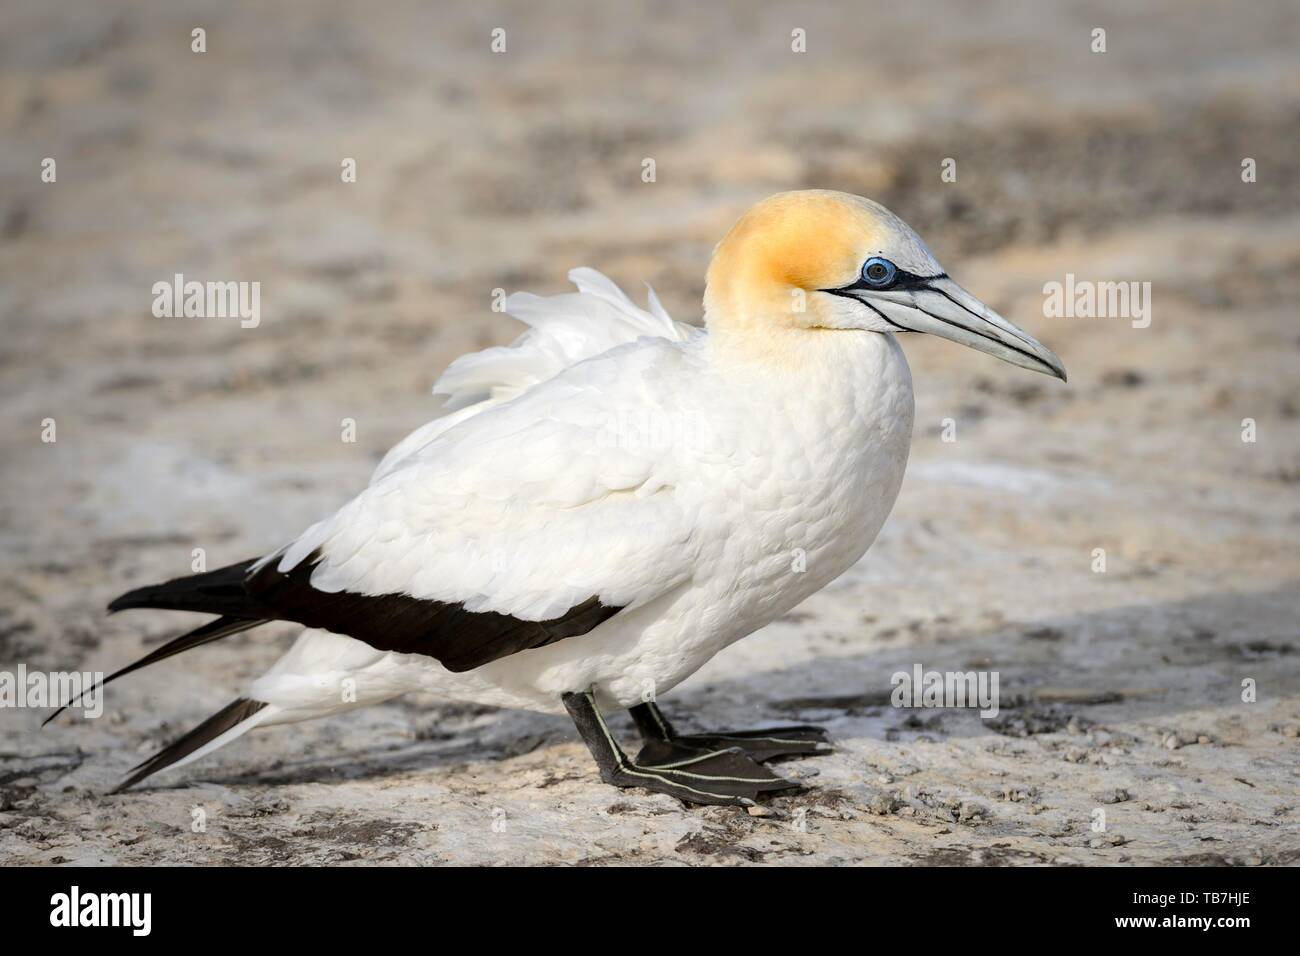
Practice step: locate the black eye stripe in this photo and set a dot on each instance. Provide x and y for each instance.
(903, 281)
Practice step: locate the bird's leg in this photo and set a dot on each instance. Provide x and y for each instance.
(723, 776)
(767, 743)
(651, 722)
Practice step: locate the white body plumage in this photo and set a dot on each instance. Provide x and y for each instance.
(707, 496)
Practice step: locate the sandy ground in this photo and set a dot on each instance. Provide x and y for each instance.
(1121, 691)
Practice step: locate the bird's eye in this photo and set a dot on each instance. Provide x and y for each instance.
(878, 273)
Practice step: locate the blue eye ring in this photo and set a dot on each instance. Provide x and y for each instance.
(879, 273)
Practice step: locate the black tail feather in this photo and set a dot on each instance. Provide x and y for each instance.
(223, 720)
(212, 631)
(213, 592)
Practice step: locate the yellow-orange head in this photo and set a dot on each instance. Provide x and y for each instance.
(817, 260)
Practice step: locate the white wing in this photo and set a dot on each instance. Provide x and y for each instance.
(530, 515)
(530, 508)
(563, 331)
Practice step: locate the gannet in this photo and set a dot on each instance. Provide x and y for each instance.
(613, 499)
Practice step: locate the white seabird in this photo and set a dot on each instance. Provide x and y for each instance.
(614, 498)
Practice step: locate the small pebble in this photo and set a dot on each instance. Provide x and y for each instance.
(1107, 839)
(883, 804)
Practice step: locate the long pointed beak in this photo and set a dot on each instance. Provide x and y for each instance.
(941, 307)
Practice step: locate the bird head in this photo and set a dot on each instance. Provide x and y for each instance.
(822, 260)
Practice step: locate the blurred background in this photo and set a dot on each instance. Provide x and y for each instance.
(478, 170)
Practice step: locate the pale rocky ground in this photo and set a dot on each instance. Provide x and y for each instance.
(1120, 690)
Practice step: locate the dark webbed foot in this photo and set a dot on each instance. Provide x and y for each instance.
(767, 743)
(725, 775)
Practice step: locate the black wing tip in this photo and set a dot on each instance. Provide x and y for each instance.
(212, 631)
(144, 597)
(144, 768)
(126, 784)
(216, 592)
(230, 716)
(128, 600)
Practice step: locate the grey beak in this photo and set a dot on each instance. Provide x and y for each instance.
(941, 307)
